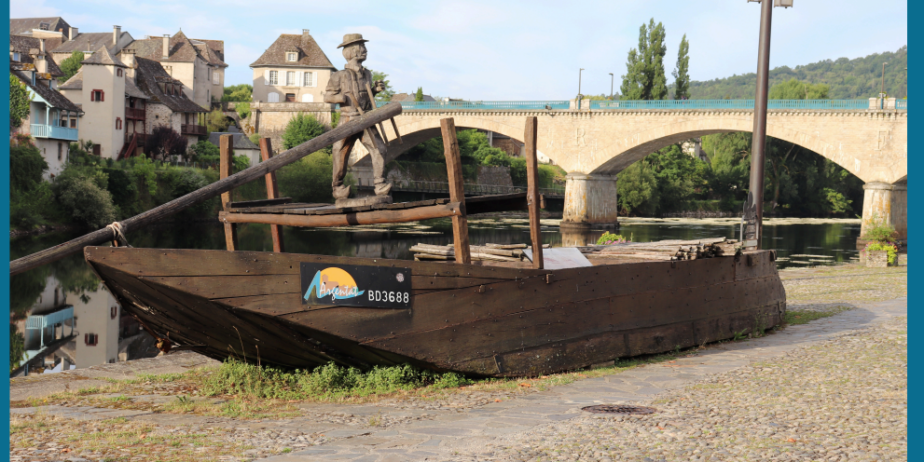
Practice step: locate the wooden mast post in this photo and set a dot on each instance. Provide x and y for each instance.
(532, 191)
(225, 170)
(456, 190)
(272, 191)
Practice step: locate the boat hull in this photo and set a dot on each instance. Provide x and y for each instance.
(481, 320)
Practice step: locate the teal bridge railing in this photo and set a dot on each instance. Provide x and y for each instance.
(616, 105)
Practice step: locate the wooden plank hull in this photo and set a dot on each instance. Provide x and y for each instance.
(483, 320)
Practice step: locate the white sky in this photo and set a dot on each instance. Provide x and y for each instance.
(506, 50)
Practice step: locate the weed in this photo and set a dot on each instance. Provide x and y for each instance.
(739, 335)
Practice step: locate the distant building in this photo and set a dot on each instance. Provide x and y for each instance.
(88, 42)
(398, 97)
(241, 145)
(40, 27)
(199, 64)
(53, 119)
(292, 69)
(694, 148)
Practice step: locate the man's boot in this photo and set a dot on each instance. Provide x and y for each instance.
(382, 188)
(341, 192)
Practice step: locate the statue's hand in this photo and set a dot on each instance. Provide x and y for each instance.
(379, 86)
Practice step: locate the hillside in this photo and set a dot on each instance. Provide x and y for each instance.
(848, 78)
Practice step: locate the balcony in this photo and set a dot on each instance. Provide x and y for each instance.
(50, 131)
(189, 129)
(132, 113)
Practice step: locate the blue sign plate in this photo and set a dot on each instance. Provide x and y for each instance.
(352, 285)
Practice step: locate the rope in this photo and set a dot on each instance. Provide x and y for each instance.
(117, 234)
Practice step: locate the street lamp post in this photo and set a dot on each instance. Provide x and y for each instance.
(882, 88)
(580, 97)
(611, 85)
(753, 209)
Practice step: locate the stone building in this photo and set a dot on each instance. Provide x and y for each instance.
(198, 64)
(88, 42)
(293, 69)
(53, 119)
(168, 103)
(40, 27)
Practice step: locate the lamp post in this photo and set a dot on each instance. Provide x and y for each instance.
(882, 88)
(580, 97)
(611, 85)
(753, 208)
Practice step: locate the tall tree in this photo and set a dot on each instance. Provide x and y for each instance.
(682, 71)
(20, 97)
(71, 65)
(419, 95)
(645, 78)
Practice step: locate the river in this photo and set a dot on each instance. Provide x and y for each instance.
(62, 318)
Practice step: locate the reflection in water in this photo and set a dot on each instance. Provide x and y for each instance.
(62, 317)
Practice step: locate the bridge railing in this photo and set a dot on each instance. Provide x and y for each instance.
(489, 105)
(470, 188)
(901, 104)
(730, 104)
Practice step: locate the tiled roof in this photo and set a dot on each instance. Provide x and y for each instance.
(181, 49)
(24, 26)
(309, 53)
(90, 41)
(52, 96)
(132, 90)
(240, 141)
(73, 83)
(148, 73)
(103, 57)
(26, 47)
(409, 97)
(212, 51)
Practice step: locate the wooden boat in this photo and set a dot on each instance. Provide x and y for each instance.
(483, 320)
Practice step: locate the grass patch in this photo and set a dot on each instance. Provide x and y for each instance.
(796, 317)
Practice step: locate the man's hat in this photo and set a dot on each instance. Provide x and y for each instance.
(350, 39)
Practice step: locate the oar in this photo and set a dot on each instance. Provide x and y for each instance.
(393, 124)
(115, 230)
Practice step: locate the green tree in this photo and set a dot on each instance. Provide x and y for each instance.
(242, 109)
(308, 179)
(300, 129)
(794, 89)
(71, 65)
(82, 191)
(217, 122)
(419, 95)
(645, 78)
(383, 96)
(637, 190)
(20, 97)
(681, 72)
(241, 93)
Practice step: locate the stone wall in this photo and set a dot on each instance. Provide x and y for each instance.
(270, 119)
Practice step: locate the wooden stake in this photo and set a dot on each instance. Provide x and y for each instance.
(456, 190)
(225, 170)
(272, 191)
(532, 191)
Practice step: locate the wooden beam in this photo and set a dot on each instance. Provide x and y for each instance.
(372, 217)
(100, 236)
(272, 191)
(532, 191)
(226, 169)
(456, 190)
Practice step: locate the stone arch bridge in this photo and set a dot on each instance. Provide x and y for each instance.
(593, 146)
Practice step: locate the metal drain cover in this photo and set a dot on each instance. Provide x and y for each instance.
(619, 409)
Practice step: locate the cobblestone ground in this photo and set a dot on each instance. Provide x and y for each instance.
(845, 399)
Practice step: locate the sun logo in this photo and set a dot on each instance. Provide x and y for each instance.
(333, 282)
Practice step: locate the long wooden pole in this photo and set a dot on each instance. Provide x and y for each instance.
(354, 126)
(272, 191)
(456, 190)
(532, 190)
(226, 169)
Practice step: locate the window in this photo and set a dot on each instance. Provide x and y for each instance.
(118, 72)
(290, 79)
(215, 78)
(290, 97)
(15, 56)
(60, 157)
(307, 98)
(273, 97)
(97, 95)
(292, 56)
(274, 77)
(44, 26)
(118, 123)
(113, 312)
(97, 151)
(309, 79)
(90, 339)
(73, 122)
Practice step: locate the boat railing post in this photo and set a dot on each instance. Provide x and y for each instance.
(456, 190)
(272, 191)
(532, 190)
(225, 170)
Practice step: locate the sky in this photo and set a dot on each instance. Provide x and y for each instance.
(505, 50)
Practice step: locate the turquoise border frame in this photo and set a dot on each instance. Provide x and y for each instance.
(5, 230)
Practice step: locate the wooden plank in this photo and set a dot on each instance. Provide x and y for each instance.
(346, 219)
(354, 126)
(456, 190)
(225, 170)
(272, 191)
(532, 192)
(260, 202)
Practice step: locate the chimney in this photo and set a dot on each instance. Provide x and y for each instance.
(116, 32)
(128, 59)
(41, 66)
(42, 46)
(72, 33)
(305, 33)
(166, 50)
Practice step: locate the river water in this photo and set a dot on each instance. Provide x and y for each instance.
(62, 318)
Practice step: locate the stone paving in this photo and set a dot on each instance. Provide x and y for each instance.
(539, 425)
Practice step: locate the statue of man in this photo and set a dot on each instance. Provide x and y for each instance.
(348, 88)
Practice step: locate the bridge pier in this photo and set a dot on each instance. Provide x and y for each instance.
(884, 202)
(590, 202)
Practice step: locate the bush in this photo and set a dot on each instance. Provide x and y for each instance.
(609, 238)
(309, 179)
(31, 200)
(880, 231)
(300, 129)
(83, 193)
(181, 181)
(203, 151)
(217, 122)
(243, 110)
